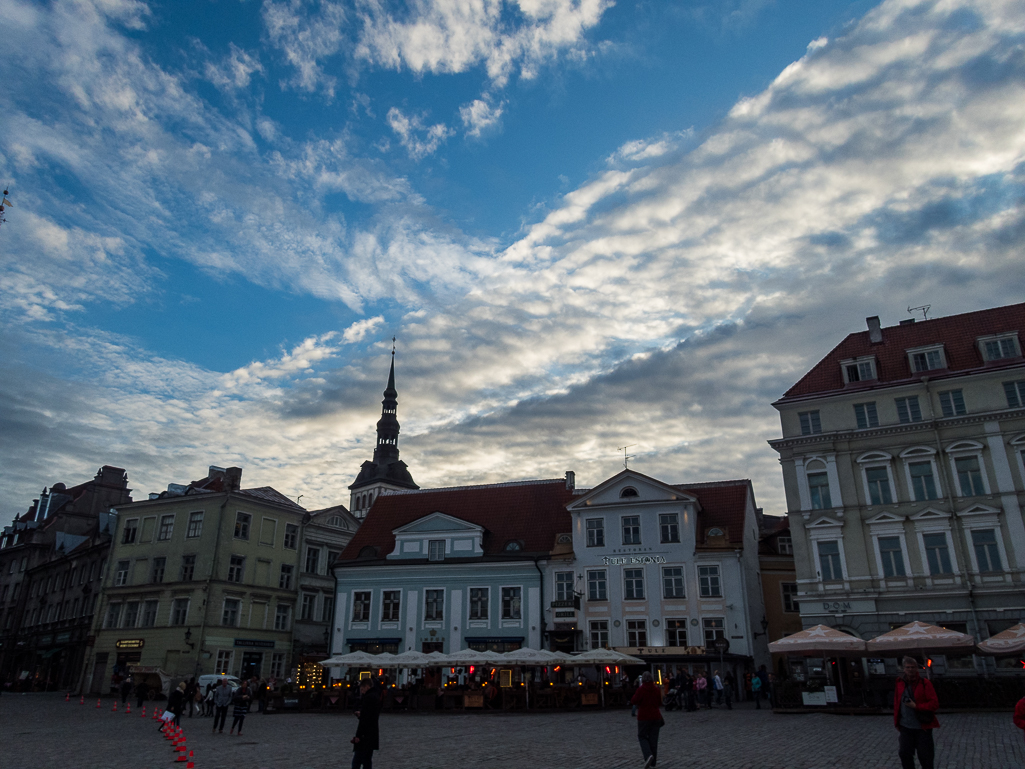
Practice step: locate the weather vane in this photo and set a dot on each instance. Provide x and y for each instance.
(3, 203)
(626, 457)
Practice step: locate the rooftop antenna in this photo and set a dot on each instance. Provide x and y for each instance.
(626, 457)
(924, 308)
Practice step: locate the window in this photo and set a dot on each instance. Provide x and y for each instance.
(242, 521)
(563, 586)
(633, 584)
(156, 573)
(131, 614)
(390, 605)
(631, 530)
(361, 606)
(277, 665)
(312, 560)
(236, 568)
(937, 554)
(629, 491)
(479, 603)
(332, 557)
(810, 423)
(188, 567)
(714, 627)
(923, 482)
(595, 532)
(676, 632)
(952, 403)
(789, 590)
(223, 666)
(708, 582)
(326, 608)
(818, 488)
(597, 586)
(113, 616)
(166, 527)
(829, 561)
(986, 553)
(149, 614)
(180, 611)
(121, 575)
(291, 536)
(860, 371)
(1015, 392)
(195, 525)
(908, 410)
(436, 550)
(878, 480)
(672, 582)
(784, 544)
(865, 414)
(282, 617)
(131, 530)
(511, 600)
(997, 349)
(669, 527)
(892, 557)
(927, 360)
(969, 476)
(434, 605)
(285, 580)
(308, 606)
(636, 632)
(229, 617)
(599, 634)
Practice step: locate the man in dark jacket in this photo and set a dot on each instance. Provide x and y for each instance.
(367, 738)
(914, 715)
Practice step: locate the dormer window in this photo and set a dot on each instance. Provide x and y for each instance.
(513, 546)
(859, 369)
(927, 358)
(436, 550)
(999, 347)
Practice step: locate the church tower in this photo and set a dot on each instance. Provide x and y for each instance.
(386, 471)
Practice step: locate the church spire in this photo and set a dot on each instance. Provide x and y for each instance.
(387, 449)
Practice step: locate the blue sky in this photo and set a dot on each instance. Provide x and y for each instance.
(589, 224)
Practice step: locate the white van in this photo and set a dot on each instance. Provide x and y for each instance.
(202, 681)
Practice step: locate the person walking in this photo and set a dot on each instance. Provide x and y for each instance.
(190, 695)
(176, 703)
(700, 685)
(241, 701)
(756, 690)
(728, 685)
(688, 684)
(717, 685)
(141, 690)
(763, 676)
(649, 719)
(126, 689)
(368, 738)
(222, 698)
(914, 716)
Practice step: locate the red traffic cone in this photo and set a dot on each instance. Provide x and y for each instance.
(143, 711)
(97, 703)
(67, 697)
(190, 765)
(181, 752)
(82, 701)
(128, 708)
(114, 709)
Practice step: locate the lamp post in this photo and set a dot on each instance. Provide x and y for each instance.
(765, 627)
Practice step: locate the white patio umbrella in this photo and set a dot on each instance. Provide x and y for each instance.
(411, 659)
(465, 657)
(920, 636)
(1011, 641)
(820, 639)
(353, 659)
(605, 657)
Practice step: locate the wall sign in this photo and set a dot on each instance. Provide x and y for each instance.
(131, 643)
(632, 559)
(252, 643)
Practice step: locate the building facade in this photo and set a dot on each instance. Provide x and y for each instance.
(903, 456)
(51, 564)
(779, 579)
(202, 578)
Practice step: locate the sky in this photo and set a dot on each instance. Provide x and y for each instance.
(588, 224)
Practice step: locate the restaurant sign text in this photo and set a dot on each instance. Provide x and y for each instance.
(632, 559)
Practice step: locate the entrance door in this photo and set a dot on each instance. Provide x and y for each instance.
(252, 664)
(99, 673)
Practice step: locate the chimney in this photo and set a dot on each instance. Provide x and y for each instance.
(233, 476)
(571, 480)
(875, 333)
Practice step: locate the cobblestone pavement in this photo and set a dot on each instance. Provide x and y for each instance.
(42, 731)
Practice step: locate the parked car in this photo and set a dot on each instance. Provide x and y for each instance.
(233, 682)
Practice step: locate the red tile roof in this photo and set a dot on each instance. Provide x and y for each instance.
(723, 505)
(531, 511)
(957, 333)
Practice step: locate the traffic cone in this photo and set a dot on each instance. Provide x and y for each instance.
(190, 765)
(98, 703)
(143, 711)
(114, 710)
(128, 709)
(181, 752)
(82, 701)
(67, 697)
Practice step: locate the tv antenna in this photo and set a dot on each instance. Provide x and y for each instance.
(924, 308)
(626, 457)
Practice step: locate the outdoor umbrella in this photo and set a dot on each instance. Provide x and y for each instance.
(410, 659)
(820, 639)
(605, 657)
(465, 657)
(359, 659)
(921, 637)
(1011, 641)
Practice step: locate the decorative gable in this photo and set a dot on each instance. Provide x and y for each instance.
(451, 537)
(629, 488)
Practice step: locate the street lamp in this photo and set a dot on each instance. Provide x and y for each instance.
(765, 627)
(188, 637)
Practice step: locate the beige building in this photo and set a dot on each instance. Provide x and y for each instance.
(202, 578)
(779, 578)
(902, 456)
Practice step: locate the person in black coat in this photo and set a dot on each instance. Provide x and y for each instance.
(176, 703)
(367, 738)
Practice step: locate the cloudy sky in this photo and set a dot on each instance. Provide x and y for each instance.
(588, 223)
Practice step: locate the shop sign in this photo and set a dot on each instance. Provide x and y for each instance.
(252, 643)
(814, 698)
(632, 559)
(841, 607)
(660, 651)
(130, 643)
(63, 638)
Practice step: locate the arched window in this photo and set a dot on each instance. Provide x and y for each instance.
(629, 491)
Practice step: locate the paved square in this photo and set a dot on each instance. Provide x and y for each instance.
(42, 731)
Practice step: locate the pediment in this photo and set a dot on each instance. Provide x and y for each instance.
(824, 523)
(930, 513)
(885, 518)
(971, 446)
(1019, 441)
(917, 451)
(875, 456)
(979, 510)
(619, 490)
(437, 522)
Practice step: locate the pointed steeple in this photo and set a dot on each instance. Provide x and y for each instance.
(387, 449)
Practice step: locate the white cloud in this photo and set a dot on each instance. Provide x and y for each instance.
(306, 38)
(358, 331)
(235, 71)
(420, 140)
(480, 115)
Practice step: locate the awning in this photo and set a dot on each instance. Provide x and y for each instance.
(1010, 642)
(923, 637)
(820, 639)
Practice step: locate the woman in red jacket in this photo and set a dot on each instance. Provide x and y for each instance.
(914, 714)
(1019, 714)
(649, 719)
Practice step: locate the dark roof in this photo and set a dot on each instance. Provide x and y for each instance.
(269, 494)
(958, 334)
(723, 505)
(533, 512)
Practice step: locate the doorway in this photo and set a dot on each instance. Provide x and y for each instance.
(252, 664)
